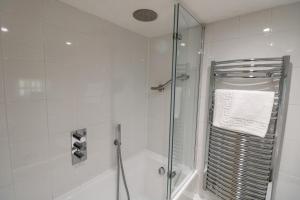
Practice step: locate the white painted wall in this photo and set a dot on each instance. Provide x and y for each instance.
(243, 37)
(48, 89)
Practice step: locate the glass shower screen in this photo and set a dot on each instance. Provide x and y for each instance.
(186, 62)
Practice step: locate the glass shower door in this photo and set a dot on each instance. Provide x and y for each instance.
(184, 98)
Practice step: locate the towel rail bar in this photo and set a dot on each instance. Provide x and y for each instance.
(252, 66)
(232, 183)
(232, 190)
(239, 166)
(249, 60)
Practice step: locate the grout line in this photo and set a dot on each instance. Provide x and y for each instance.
(42, 26)
(147, 92)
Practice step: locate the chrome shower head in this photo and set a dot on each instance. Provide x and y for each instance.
(145, 15)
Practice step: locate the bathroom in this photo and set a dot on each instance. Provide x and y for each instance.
(122, 99)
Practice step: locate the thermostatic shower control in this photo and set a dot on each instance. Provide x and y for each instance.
(78, 146)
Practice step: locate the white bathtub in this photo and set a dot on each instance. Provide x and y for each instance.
(143, 179)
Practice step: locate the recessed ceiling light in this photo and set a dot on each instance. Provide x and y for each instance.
(267, 30)
(4, 29)
(68, 43)
(182, 44)
(145, 15)
(271, 44)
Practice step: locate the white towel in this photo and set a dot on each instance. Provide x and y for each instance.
(243, 110)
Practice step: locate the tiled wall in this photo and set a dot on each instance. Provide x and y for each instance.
(160, 66)
(243, 37)
(48, 88)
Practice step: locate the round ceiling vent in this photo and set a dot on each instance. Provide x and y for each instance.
(145, 15)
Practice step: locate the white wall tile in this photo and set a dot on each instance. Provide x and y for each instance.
(60, 144)
(94, 79)
(218, 48)
(20, 50)
(52, 88)
(61, 81)
(209, 33)
(226, 29)
(100, 132)
(97, 48)
(255, 23)
(61, 121)
(92, 111)
(27, 126)
(64, 176)
(288, 187)
(250, 47)
(130, 91)
(100, 159)
(256, 46)
(32, 182)
(295, 87)
(290, 162)
(160, 51)
(56, 49)
(5, 167)
(24, 80)
(61, 114)
(7, 193)
(103, 74)
(3, 122)
(21, 10)
(157, 123)
(286, 17)
(158, 103)
(2, 96)
(287, 43)
(292, 123)
(24, 38)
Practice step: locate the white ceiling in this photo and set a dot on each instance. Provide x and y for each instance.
(206, 11)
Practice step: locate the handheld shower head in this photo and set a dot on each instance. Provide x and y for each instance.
(117, 141)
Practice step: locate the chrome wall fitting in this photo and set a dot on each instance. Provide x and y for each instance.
(78, 146)
(161, 171)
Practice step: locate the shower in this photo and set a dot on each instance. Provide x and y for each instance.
(67, 76)
(120, 167)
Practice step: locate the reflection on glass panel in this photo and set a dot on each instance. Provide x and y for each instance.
(186, 97)
(30, 86)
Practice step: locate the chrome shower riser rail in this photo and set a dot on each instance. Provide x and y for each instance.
(239, 166)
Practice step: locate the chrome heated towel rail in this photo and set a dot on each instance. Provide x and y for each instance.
(240, 166)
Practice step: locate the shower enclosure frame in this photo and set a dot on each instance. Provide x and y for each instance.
(176, 35)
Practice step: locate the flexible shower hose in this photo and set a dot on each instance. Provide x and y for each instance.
(120, 166)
